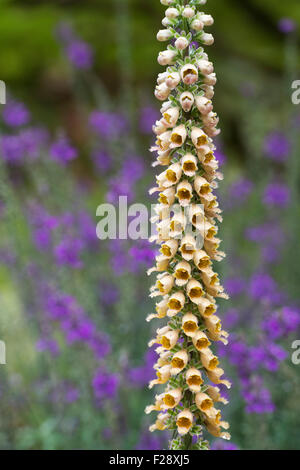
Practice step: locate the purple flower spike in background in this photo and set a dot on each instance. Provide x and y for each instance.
(277, 147)
(277, 195)
(80, 54)
(105, 385)
(286, 25)
(15, 114)
(62, 152)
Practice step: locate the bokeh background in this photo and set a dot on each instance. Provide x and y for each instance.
(74, 134)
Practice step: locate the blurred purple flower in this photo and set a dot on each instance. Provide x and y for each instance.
(240, 190)
(12, 148)
(133, 169)
(150, 442)
(277, 147)
(234, 286)
(257, 397)
(109, 293)
(140, 376)
(105, 385)
(263, 287)
(80, 54)
(102, 160)
(220, 157)
(142, 253)
(48, 344)
(223, 445)
(62, 152)
(15, 114)
(277, 194)
(68, 252)
(107, 124)
(286, 25)
(149, 116)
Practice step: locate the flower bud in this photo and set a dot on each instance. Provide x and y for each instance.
(203, 104)
(162, 92)
(188, 12)
(172, 80)
(164, 35)
(205, 67)
(208, 91)
(161, 78)
(172, 13)
(197, 25)
(207, 20)
(181, 43)
(159, 127)
(166, 57)
(166, 2)
(210, 79)
(207, 39)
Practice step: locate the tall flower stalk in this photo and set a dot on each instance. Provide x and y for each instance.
(187, 212)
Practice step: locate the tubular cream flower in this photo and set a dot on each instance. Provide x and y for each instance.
(160, 423)
(169, 339)
(175, 303)
(199, 138)
(169, 248)
(182, 273)
(202, 260)
(186, 218)
(188, 247)
(194, 380)
(209, 360)
(172, 398)
(187, 101)
(184, 422)
(189, 74)
(178, 136)
(162, 92)
(190, 324)
(179, 362)
(189, 165)
(195, 291)
(200, 340)
(184, 193)
(170, 117)
(204, 402)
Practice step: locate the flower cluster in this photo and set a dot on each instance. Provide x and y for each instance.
(186, 280)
